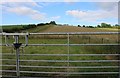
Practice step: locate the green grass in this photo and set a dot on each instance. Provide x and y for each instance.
(111, 29)
(37, 29)
(53, 28)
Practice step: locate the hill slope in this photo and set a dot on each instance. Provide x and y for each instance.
(55, 28)
(74, 29)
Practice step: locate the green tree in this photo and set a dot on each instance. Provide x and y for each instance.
(117, 25)
(41, 24)
(83, 25)
(53, 22)
(90, 26)
(98, 26)
(79, 26)
(104, 25)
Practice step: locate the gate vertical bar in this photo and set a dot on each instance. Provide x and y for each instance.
(26, 39)
(17, 57)
(68, 45)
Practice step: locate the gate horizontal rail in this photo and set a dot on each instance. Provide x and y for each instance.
(64, 54)
(62, 66)
(70, 72)
(65, 45)
(63, 33)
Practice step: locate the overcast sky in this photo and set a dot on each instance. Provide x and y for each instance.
(65, 12)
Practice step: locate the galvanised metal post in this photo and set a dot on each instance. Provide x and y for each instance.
(17, 56)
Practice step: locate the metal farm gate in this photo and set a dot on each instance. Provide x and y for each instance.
(70, 54)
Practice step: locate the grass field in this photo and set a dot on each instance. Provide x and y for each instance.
(111, 29)
(74, 39)
(56, 28)
(76, 29)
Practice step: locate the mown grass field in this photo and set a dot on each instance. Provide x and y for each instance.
(111, 29)
(74, 39)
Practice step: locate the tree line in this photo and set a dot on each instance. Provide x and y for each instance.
(102, 25)
(39, 24)
(19, 28)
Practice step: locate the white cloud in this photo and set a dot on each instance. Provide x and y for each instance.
(105, 10)
(90, 15)
(26, 11)
(17, 1)
(14, 3)
(22, 10)
(25, 8)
